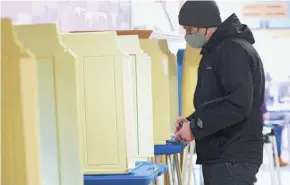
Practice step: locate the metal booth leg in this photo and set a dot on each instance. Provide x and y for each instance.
(288, 134)
(174, 170)
(269, 151)
(188, 171)
(160, 179)
(201, 176)
(276, 160)
(191, 167)
(184, 164)
(177, 169)
(170, 171)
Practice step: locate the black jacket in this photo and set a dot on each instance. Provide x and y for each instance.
(228, 99)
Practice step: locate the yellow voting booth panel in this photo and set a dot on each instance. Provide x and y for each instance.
(19, 115)
(57, 104)
(160, 89)
(173, 82)
(142, 89)
(191, 61)
(105, 89)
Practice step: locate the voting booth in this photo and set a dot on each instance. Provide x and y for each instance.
(142, 90)
(106, 107)
(173, 81)
(20, 156)
(190, 65)
(161, 94)
(57, 104)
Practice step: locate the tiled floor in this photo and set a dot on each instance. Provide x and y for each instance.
(264, 175)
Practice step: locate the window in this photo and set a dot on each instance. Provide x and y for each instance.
(279, 23)
(227, 8)
(19, 12)
(276, 61)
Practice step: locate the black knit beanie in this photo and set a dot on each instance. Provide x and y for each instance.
(200, 14)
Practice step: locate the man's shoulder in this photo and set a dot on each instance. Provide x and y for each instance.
(234, 42)
(241, 44)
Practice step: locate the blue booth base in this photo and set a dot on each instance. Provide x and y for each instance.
(169, 149)
(144, 174)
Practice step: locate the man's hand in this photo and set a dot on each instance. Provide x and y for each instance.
(179, 120)
(184, 132)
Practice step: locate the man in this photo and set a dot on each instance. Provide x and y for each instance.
(228, 121)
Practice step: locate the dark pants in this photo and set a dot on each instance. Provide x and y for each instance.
(230, 174)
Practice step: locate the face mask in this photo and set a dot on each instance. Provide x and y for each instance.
(195, 40)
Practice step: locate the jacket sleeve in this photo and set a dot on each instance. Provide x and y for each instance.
(191, 116)
(236, 78)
